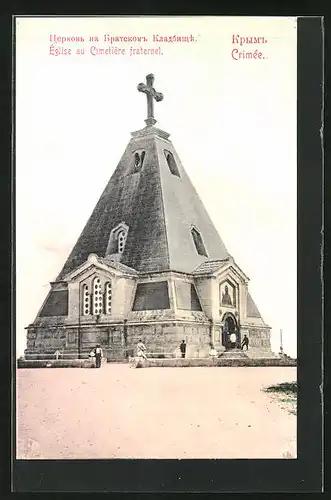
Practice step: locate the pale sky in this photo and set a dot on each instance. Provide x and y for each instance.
(232, 123)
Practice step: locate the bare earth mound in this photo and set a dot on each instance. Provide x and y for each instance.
(118, 412)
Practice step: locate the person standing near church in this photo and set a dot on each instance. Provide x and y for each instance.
(183, 348)
(141, 348)
(98, 355)
(233, 340)
(245, 342)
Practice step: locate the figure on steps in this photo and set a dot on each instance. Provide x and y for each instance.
(245, 342)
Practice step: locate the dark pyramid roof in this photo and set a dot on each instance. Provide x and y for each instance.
(159, 207)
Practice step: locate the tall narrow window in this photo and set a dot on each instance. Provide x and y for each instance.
(121, 241)
(171, 163)
(108, 297)
(86, 301)
(97, 297)
(200, 247)
(138, 160)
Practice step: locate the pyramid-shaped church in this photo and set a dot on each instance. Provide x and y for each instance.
(148, 265)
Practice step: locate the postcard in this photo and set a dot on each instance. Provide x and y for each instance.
(156, 229)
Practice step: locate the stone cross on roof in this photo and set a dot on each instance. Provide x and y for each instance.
(151, 94)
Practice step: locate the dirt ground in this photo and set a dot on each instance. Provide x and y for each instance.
(118, 412)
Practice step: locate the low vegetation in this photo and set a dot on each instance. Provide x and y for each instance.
(286, 395)
(286, 387)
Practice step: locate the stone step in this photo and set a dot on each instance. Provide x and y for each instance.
(233, 353)
(261, 354)
(69, 353)
(215, 362)
(53, 363)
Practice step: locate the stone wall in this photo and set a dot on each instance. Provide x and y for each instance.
(166, 338)
(204, 287)
(259, 337)
(46, 338)
(119, 340)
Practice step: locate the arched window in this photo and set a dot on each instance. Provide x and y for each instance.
(121, 241)
(117, 239)
(86, 301)
(108, 297)
(200, 247)
(138, 161)
(97, 297)
(171, 163)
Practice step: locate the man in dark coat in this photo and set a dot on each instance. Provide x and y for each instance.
(183, 348)
(245, 342)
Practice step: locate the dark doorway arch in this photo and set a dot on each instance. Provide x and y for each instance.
(230, 326)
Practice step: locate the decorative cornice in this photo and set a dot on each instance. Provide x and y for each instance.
(150, 131)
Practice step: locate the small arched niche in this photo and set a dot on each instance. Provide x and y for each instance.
(228, 294)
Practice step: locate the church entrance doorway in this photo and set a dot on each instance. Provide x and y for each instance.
(230, 332)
